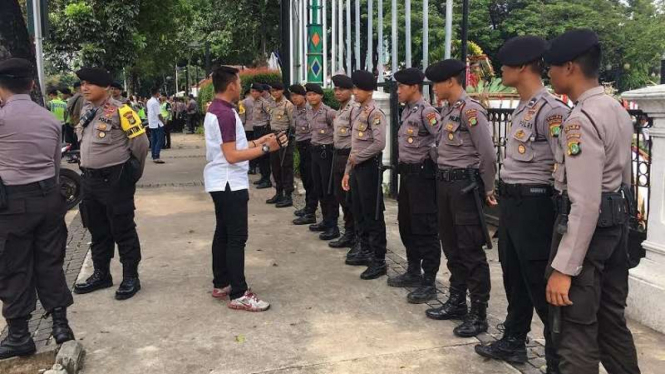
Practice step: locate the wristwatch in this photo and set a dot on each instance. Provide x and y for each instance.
(265, 148)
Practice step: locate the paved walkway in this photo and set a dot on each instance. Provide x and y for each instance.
(323, 319)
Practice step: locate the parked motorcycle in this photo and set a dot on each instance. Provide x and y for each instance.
(70, 180)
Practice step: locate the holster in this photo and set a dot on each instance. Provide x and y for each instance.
(4, 196)
(613, 210)
(133, 171)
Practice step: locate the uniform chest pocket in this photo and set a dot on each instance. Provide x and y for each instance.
(363, 132)
(344, 131)
(451, 134)
(101, 132)
(410, 136)
(521, 144)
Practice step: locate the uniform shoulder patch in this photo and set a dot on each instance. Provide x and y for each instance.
(554, 124)
(431, 118)
(472, 116)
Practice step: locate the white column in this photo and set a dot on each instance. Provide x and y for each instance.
(370, 36)
(349, 69)
(646, 299)
(407, 32)
(303, 40)
(379, 46)
(449, 27)
(291, 41)
(324, 15)
(395, 46)
(358, 65)
(425, 34)
(333, 49)
(340, 35)
(39, 52)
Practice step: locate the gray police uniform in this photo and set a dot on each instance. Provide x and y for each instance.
(527, 212)
(282, 120)
(246, 113)
(592, 163)
(416, 215)
(321, 124)
(33, 234)
(111, 163)
(465, 151)
(261, 118)
(304, 143)
(342, 140)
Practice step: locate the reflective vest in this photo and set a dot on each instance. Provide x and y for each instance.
(59, 108)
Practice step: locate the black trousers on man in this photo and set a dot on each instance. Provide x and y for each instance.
(342, 197)
(282, 172)
(364, 183)
(322, 157)
(107, 210)
(525, 239)
(305, 168)
(416, 214)
(462, 239)
(228, 245)
(594, 329)
(33, 239)
(264, 161)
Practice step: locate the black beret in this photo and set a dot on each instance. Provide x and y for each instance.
(116, 85)
(257, 86)
(342, 81)
(277, 86)
(96, 76)
(16, 68)
(569, 46)
(266, 87)
(364, 80)
(297, 89)
(444, 70)
(410, 76)
(522, 50)
(313, 87)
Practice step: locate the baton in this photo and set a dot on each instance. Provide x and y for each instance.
(474, 187)
(332, 169)
(382, 168)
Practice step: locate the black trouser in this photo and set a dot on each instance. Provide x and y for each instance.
(462, 240)
(33, 239)
(282, 172)
(69, 135)
(107, 210)
(263, 161)
(167, 134)
(322, 157)
(305, 168)
(363, 180)
(192, 122)
(525, 239)
(228, 245)
(594, 329)
(249, 134)
(416, 215)
(343, 197)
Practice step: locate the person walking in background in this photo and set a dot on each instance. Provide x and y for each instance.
(192, 114)
(165, 109)
(156, 125)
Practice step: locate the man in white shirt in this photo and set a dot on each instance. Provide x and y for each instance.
(228, 153)
(156, 124)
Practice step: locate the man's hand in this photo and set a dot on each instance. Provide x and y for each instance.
(277, 142)
(264, 139)
(345, 183)
(490, 199)
(557, 289)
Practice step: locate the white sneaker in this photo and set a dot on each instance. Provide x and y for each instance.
(221, 293)
(249, 302)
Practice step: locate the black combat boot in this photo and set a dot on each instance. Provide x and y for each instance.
(424, 293)
(266, 183)
(286, 201)
(318, 227)
(411, 278)
(362, 258)
(251, 171)
(100, 279)
(454, 308)
(307, 219)
(257, 182)
(355, 250)
(18, 341)
(509, 348)
(299, 212)
(273, 200)
(130, 282)
(347, 240)
(475, 322)
(331, 233)
(61, 330)
(375, 269)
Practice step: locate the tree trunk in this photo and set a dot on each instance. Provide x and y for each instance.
(15, 42)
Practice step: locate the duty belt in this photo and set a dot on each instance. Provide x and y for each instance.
(43, 185)
(322, 147)
(524, 190)
(409, 169)
(613, 208)
(451, 175)
(343, 151)
(101, 173)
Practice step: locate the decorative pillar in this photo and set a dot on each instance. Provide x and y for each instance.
(646, 299)
(315, 45)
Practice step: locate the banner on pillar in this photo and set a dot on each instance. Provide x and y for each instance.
(315, 54)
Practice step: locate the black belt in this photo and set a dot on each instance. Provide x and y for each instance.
(101, 173)
(408, 169)
(451, 175)
(524, 190)
(343, 152)
(43, 185)
(613, 208)
(322, 147)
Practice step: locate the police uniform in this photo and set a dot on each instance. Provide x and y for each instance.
(281, 163)
(261, 121)
(113, 151)
(416, 213)
(593, 161)
(342, 140)
(245, 112)
(466, 156)
(120, 98)
(368, 140)
(33, 233)
(304, 143)
(527, 209)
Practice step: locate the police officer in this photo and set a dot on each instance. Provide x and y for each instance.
(588, 273)
(306, 215)
(245, 112)
(261, 120)
(416, 214)
(344, 117)
(116, 93)
(527, 209)
(281, 163)
(321, 118)
(466, 158)
(33, 234)
(363, 177)
(114, 147)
